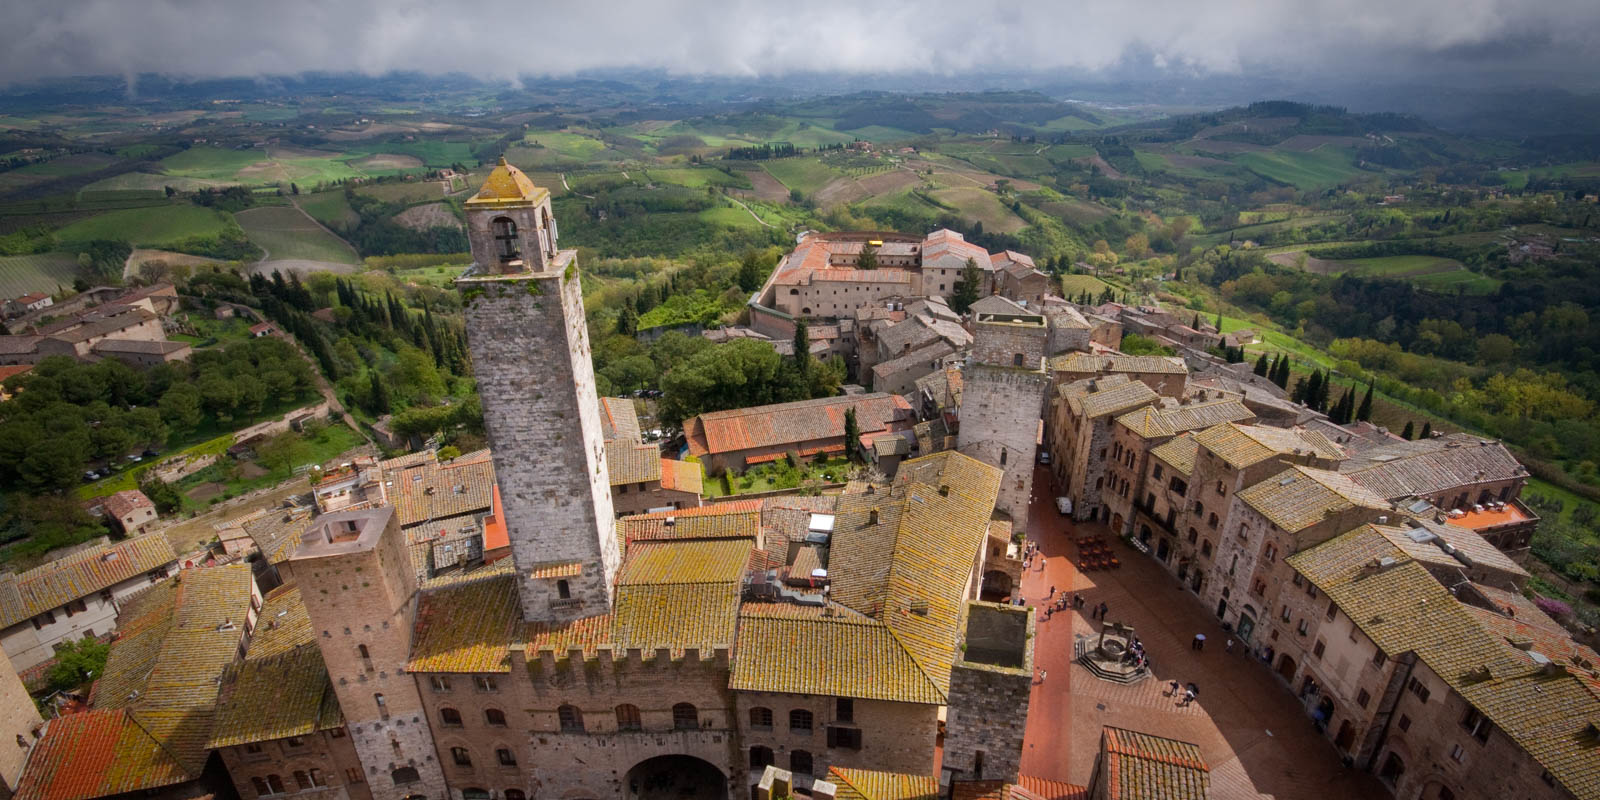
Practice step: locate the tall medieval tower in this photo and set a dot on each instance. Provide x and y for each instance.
(360, 592)
(1002, 403)
(530, 354)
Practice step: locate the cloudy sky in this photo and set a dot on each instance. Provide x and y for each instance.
(511, 38)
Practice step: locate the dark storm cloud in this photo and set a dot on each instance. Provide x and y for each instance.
(510, 38)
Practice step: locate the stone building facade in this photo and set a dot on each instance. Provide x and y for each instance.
(1002, 404)
(360, 593)
(990, 687)
(1079, 429)
(522, 297)
(20, 728)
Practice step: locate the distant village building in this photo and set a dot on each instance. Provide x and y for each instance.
(740, 438)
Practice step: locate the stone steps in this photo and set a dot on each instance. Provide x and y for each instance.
(1080, 648)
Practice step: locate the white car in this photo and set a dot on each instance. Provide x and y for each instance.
(1064, 505)
(1044, 457)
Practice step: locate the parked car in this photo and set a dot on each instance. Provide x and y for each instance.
(151, 453)
(91, 475)
(1044, 457)
(1064, 505)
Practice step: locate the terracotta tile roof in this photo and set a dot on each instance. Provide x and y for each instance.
(78, 575)
(468, 627)
(685, 561)
(426, 489)
(1528, 637)
(126, 502)
(1112, 363)
(1139, 766)
(274, 697)
(791, 423)
(1178, 453)
(840, 656)
(94, 754)
(910, 568)
(619, 419)
(282, 625)
(157, 696)
(1421, 539)
(1026, 788)
(586, 634)
(507, 186)
(1151, 422)
(627, 462)
(1246, 445)
(1053, 790)
(1118, 398)
(676, 616)
(1397, 604)
(864, 784)
(1299, 497)
(740, 518)
(1430, 466)
(682, 476)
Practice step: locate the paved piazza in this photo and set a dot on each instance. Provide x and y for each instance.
(1256, 737)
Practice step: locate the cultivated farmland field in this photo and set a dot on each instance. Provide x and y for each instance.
(1315, 169)
(804, 173)
(329, 208)
(41, 272)
(287, 235)
(153, 226)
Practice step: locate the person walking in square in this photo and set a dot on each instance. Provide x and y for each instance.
(1199, 642)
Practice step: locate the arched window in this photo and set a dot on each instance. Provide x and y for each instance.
(563, 590)
(761, 757)
(628, 718)
(316, 778)
(505, 238)
(515, 794)
(261, 786)
(761, 718)
(571, 719)
(475, 794)
(495, 717)
(1205, 548)
(363, 649)
(1212, 520)
(505, 757)
(799, 721)
(461, 756)
(685, 717)
(1194, 535)
(450, 717)
(301, 780)
(800, 762)
(405, 775)
(274, 784)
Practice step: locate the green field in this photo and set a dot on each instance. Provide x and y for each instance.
(731, 216)
(983, 206)
(804, 173)
(329, 208)
(1325, 166)
(1399, 265)
(154, 226)
(41, 272)
(1074, 285)
(286, 234)
(210, 163)
(406, 192)
(696, 178)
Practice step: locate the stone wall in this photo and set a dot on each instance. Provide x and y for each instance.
(543, 422)
(1001, 343)
(989, 692)
(895, 737)
(639, 499)
(21, 720)
(1000, 416)
(329, 753)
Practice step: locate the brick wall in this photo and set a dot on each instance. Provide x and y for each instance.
(330, 753)
(1000, 411)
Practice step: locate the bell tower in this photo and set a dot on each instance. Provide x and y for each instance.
(530, 354)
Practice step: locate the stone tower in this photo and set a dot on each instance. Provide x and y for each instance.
(360, 591)
(1002, 403)
(530, 354)
(989, 689)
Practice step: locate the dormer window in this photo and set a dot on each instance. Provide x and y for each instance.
(505, 238)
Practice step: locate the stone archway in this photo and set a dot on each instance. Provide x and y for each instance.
(675, 777)
(996, 585)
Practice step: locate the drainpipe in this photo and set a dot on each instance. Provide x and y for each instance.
(1383, 734)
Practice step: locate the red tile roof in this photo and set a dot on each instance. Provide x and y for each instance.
(87, 755)
(791, 423)
(126, 502)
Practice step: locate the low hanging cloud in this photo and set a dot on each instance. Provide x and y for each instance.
(508, 39)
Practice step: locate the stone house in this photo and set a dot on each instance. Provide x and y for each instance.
(140, 353)
(33, 301)
(19, 722)
(1136, 434)
(76, 596)
(740, 438)
(1079, 431)
(1454, 471)
(130, 511)
(1167, 375)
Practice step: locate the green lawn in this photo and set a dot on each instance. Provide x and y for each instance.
(41, 272)
(329, 442)
(1074, 285)
(729, 215)
(286, 234)
(779, 475)
(804, 173)
(1325, 166)
(331, 208)
(1571, 499)
(210, 163)
(153, 226)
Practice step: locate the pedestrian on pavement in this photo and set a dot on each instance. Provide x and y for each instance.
(1188, 697)
(1172, 688)
(1103, 610)
(1052, 594)
(1199, 642)
(1077, 601)
(1229, 647)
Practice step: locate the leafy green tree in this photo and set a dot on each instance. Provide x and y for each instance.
(164, 495)
(78, 662)
(282, 452)
(752, 272)
(736, 374)
(967, 289)
(627, 321)
(378, 402)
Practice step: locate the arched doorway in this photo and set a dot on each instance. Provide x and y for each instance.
(675, 777)
(1346, 737)
(1286, 668)
(1116, 523)
(1144, 533)
(1247, 623)
(1163, 549)
(996, 585)
(1393, 769)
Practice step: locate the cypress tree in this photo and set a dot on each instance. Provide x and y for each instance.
(377, 395)
(1364, 413)
(1409, 432)
(852, 434)
(1299, 393)
(802, 348)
